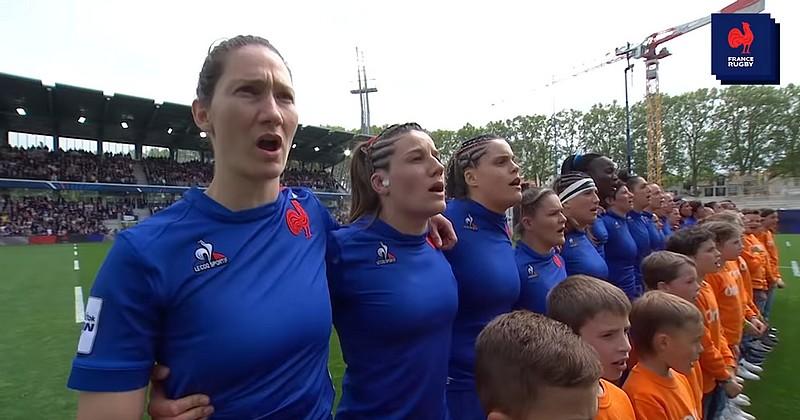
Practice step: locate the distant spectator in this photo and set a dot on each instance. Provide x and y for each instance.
(45, 215)
(72, 165)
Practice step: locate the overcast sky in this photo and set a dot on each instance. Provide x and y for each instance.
(441, 63)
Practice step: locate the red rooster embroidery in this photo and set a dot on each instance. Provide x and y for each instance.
(738, 39)
(297, 220)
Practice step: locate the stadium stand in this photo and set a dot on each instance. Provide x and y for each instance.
(51, 189)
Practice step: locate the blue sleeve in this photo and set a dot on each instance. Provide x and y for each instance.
(116, 349)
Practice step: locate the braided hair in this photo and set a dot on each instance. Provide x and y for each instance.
(367, 157)
(466, 156)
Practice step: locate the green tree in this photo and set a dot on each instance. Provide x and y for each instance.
(691, 140)
(603, 129)
(787, 135)
(749, 120)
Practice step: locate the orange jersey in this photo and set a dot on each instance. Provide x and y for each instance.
(755, 255)
(695, 378)
(613, 404)
(728, 293)
(716, 356)
(747, 290)
(773, 270)
(655, 397)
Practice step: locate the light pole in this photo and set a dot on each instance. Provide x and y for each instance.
(628, 117)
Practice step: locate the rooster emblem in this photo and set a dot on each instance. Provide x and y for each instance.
(297, 220)
(737, 38)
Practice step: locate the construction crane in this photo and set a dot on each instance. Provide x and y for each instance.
(646, 50)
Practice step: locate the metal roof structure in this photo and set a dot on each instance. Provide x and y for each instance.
(29, 106)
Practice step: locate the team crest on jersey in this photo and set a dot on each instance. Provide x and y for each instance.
(557, 261)
(208, 257)
(712, 315)
(297, 220)
(732, 290)
(469, 223)
(384, 256)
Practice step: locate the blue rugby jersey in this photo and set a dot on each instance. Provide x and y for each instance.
(600, 234)
(657, 239)
(488, 285)
(394, 301)
(620, 254)
(538, 274)
(235, 303)
(581, 257)
(637, 225)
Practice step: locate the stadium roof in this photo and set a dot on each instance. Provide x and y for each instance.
(27, 105)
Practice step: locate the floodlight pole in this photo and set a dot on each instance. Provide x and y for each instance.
(363, 92)
(628, 117)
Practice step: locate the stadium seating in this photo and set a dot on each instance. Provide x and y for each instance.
(73, 165)
(46, 215)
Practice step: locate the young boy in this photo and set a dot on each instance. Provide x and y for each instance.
(755, 255)
(598, 312)
(666, 332)
(716, 361)
(528, 366)
(676, 274)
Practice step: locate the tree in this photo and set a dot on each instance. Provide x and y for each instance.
(787, 136)
(603, 129)
(691, 139)
(749, 121)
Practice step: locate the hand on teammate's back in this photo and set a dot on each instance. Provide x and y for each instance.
(192, 407)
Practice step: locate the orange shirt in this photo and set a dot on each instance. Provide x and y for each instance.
(747, 290)
(695, 378)
(773, 270)
(755, 255)
(655, 397)
(613, 404)
(729, 298)
(716, 355)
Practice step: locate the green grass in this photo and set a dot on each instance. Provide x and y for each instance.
(40, 334)
(776, 395)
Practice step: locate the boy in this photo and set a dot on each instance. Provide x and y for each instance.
(666, 332)
(598, 312)
(528, 366)
(676, 274)
(716, 361)
(755, 255)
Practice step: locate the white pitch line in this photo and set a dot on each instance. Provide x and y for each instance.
(76, 264)
(75, 253)
(788, 244)
(795, 269)
(79, 311)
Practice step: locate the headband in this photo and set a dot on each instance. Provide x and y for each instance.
(577, 188)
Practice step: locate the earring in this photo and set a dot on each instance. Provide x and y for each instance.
(385, 182)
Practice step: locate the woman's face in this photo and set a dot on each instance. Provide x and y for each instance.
(604, 172)
(656, 197)
(496, 176)
(582, 209)
(641, 195)
(685, 209)
(415, 175)
(251, 117)
(547, 222)
(623, 200)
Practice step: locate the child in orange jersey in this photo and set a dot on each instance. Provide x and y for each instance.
(755, 254)
(666, 330)
(769, 222)
(676, 274)
(717, 361)
(598, 312)
(528, 366)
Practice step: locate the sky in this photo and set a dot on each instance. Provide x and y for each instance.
(440, 63)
